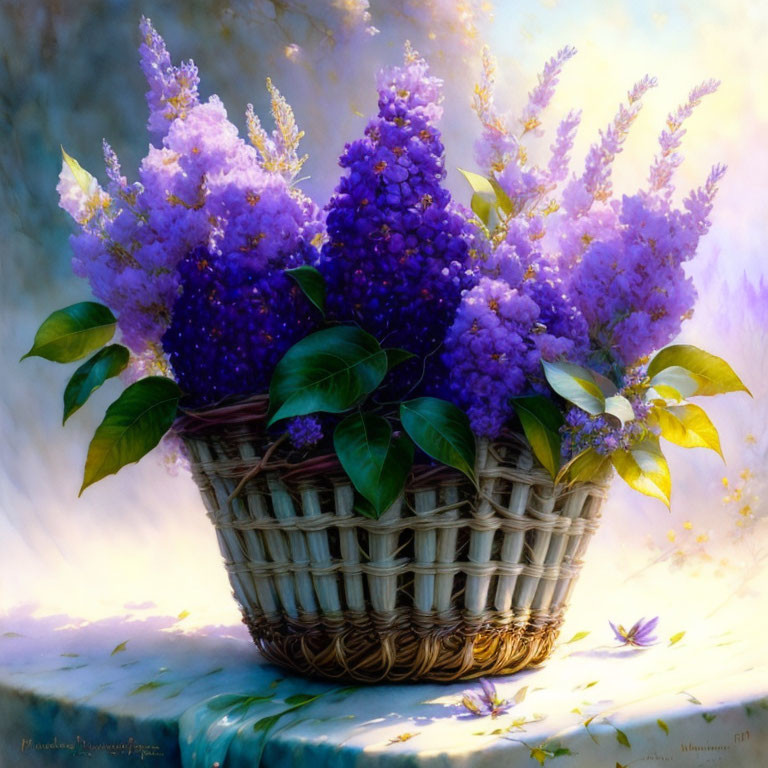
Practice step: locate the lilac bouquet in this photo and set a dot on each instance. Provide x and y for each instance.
(393, 324)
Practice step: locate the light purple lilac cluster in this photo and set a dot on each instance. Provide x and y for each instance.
(583, 278)
(192, 256)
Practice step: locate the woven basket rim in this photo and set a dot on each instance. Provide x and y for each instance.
(302, 467)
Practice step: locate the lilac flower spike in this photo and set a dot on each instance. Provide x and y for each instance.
(640, 635)
(595, 182)
(541, 95)
(172, 90)
(486, 702)
(668, 159)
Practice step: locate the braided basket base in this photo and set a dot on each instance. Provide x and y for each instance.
(356, 652)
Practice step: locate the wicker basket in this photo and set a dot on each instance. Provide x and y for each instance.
(448, 584)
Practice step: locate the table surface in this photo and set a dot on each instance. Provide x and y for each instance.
(121, 689)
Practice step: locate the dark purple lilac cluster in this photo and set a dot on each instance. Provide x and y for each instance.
(395, 259)
(233, 321)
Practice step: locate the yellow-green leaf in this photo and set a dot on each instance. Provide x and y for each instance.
(578, 636)
(484, 200)
(539, 755)
(664, 727)
(621, 737)
(119, 648)
(183, 615)
(82, 177)
(674, 383)
(584, 467)
(144, 687)
(676, 638)
(689, 426)
(576, 384)
(714, 376)
(519, 697)
(645, 469)
(541, 421)
(620, 408)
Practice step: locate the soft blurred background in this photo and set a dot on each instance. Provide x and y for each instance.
(139, 543)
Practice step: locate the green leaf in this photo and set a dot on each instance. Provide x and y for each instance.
(561, 751)
(541, 420)
(645, 469)
(395, 356)
(329, 371)
(578, 636)
(664, 727)
(105, 364)
(365, 508)
(619, 407)
(676, 638)
(133, 425)
(575, 384)
(150, 686)
(377, 462)
(82, 177)
(119, 648)
(442, 431)
(302, 699)
(583, 467)
(713, 375)
(71, 333)
(311, 283)
(267, 722)
(708, 717)
(688, 425)
(621, 737)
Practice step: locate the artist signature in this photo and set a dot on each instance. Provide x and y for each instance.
(80, 747)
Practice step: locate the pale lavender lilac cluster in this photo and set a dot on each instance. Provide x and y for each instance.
(584, 278)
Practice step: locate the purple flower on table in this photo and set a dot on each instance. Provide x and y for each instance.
(486, 701)
(640, 634)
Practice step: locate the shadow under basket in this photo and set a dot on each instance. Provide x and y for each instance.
(451, 583)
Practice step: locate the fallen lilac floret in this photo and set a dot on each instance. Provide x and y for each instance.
(640, 635)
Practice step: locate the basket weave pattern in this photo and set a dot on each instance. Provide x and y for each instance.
(450, 583)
